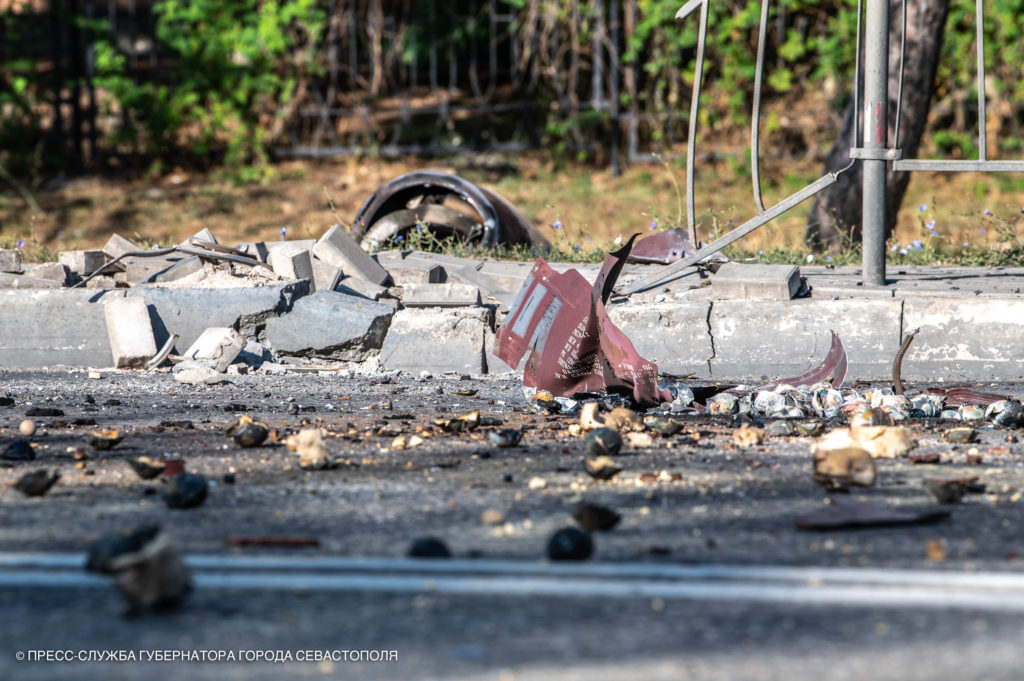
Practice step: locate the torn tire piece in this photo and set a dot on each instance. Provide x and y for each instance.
(559, 322)
(418, 198)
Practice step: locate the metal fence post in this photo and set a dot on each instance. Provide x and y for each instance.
(876, 128)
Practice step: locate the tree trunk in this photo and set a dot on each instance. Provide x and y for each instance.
(835, 219)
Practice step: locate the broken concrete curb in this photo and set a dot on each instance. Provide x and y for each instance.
(330, 324)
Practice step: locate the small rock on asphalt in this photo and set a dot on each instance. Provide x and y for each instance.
(185, 490)
(604, 442)
(594, 518)
(27, 427)
(429, 547)
(36, 483)
(570, 543)
(18, 450)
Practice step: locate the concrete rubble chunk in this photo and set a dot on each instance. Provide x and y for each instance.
(204, 234)
(438, 340)
(304, 244)
(440, 295)
(53, 271)
(488, 285)
(117, 246)
(190, 311)
(41, 328)
(330, 324)
(415, 272)
(355, 286)
(292, 262)
(737, 281)
(219, 343)
(10, 260)
(256, 250)
(130, 332)
(102, 281)
(337, 248)
(178, 270)
(138, 269)
(8, 280)
(82, 263)
(326, 277)
(200, 376)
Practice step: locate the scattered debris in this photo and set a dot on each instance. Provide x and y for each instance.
(310, 446)
(147, 468)
(460, 423)
(831, 370)
(847, 466)
(897, 361)
(27, 427)
(669, 246)
(247, 432)
(845, 513)
(570, 543)
(199, 376)
(601, 468)
(18, 450)
(934, 550)
(36, 483)
(104, 440)
(951, 491)
(882, 442)
(492, 516)
(152, 577)
(746, 436)
(185, 490)
(594, 518)
(429, 547)
(104, 550)
(559, 320)
(961, 435)
(271, 541)
(505, 437)
(422, 200)
(537, 482)
(663, 425)
(603, 442)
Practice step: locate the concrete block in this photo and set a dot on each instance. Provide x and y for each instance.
(190, 311)
(411, 271)
(672, 335)
(775, 339)
(204, 234)
(178, 270)
(438, 340)
(292, 262)
(130, 332)
(102, 281)
(330, 324)
(440, 295)
(963, 340)
(8, 280)
(139, 269)
(117, 246)
(488, 285)
(53, 271)
(337, 248)
(256, 250)
(304, 244)
(222, 344)
(355, 286)
(10, 260)
(82, 263)
(40, 328)
(325, 277)
(737, 281)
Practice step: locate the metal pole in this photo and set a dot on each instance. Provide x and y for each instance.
(876, 128)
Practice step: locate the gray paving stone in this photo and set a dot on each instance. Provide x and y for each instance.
(330, 324)
(356, 286)
(337, 248)
(177, 270)
(130, 332)
(738, 281)
(440, 295)
(43, 328)
(138, 269)
(438, 340)
(10, 260)
(292, 262)
(325, 277)
(786, 338)
(488, 285)
(117, 246)
(189, 312)
(82, 263)
(8, 280)
(53, 271)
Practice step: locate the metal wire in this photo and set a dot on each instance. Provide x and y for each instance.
(755, 124)
(691, 150)
(899, 87)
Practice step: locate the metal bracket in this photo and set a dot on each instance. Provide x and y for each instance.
(866, 154)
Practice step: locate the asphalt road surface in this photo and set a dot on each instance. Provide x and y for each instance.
(693, 499)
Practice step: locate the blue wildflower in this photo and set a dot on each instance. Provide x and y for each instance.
(903, 251)
(576, 248)
(419, 226)
(916, 243)
(557, 224)
(931, 224)
(284, 231)
(828, 257)
(986, 212)
(934, 233)
(20, 244)
(895, 247)
(654, 225)
(399, 238)
(922, 207)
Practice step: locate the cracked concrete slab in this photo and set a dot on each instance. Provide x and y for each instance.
(438, 340)
(330, 324)
(672, 335)
(771, 339)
